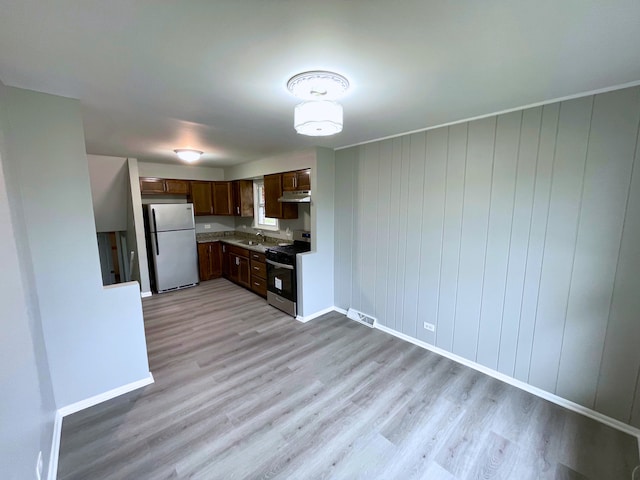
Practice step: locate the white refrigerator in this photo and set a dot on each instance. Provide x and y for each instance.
(173, 245)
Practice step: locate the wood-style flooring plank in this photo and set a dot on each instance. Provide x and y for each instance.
(243, 391)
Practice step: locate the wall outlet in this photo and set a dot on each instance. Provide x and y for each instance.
(207, 226)
(39, 466)
(430, 326)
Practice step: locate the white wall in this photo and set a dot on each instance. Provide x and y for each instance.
(281, 163)
(182, 172)
(517, 236)
(94, 336)
(27, 406)
(109, 179)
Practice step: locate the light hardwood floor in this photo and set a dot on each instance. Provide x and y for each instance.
(245, 392)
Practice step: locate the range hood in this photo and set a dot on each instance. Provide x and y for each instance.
(302, 196)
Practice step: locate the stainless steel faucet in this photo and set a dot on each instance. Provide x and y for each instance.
(261, 236)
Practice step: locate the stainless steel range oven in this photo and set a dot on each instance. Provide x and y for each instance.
(282, 288)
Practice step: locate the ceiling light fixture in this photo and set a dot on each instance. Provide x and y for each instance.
(188, 154)
(319, 115)
(318, 119)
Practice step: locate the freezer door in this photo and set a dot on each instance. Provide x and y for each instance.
(175, 257)
(166, 217)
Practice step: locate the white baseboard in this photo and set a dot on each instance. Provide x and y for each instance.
(145, 294)
(315, 315)
(81, 405)
(563, 402)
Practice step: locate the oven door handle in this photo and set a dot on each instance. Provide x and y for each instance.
(280, 265)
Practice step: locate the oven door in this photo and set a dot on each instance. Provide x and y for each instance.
(281, 279)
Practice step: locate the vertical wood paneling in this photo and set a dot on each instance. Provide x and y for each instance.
(394, 238)
(345, 183)
(475, 218)
(432, 231)
(519, 241)
(356, 263)
(369, 174)
(608, 171)
(621, 355)
(383, 229)
(454, 197)
(562, 227)
(403, 224)
(498, 237)
(413, 250)
(517, 235)
(535, 247)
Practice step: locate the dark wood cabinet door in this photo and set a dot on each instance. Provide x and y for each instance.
(226, 261)
(273, 191)
(222, 198)
(303, 180)
(178, 187)
(215, 259)
(204, 261)
(244, 273)
(201, 198)
(151, 185)
(243, 198)
(289, 181)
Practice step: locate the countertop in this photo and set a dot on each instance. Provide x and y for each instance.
(240, 241)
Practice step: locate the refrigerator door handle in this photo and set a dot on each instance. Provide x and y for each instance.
(155, 230)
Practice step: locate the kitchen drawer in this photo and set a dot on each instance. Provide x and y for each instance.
(258, 257)
(258, 269)
(259, 285)
(241, 252)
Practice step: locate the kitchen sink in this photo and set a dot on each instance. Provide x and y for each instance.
(250, 242)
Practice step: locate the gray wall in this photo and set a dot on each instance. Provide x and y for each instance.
(94, 336)
(517, 235)
(109, 177)
(27, 407)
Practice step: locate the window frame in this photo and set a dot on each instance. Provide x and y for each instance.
(257, 205)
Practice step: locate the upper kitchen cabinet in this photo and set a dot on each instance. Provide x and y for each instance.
(272, 192)
(296, 181)
(243, 198)
(222, 198)
(150, 186)
(178, 187)
(201, 198)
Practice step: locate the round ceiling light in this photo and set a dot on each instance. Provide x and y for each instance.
(188, 154)
(318, 85)
(318, 118)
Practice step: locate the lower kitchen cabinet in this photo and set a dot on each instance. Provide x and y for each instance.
(209, 260)
(245, 267)
(258, 273)
(238, 265)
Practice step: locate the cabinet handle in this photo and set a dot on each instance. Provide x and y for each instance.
(256, 284)
(237, 260)
(256, 268)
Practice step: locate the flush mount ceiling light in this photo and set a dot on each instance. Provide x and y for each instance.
(188, 154)
(318, 119)
(319, 115)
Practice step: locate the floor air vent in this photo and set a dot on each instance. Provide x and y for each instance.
(363, 318)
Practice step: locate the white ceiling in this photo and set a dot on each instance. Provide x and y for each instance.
(154, 75)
